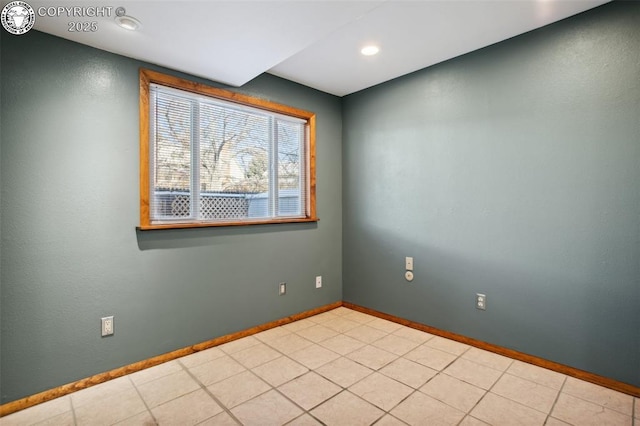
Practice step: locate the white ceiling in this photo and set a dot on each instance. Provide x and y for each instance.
(315, 43)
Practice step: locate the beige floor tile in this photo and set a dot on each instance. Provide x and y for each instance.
(189, 409)
(314, 356)
(366, 334)
(384, 325)
(255, 355)
(359, 317)
(309, 390)
(153, 373)
(101, 391)
(555, 422)
(430, 357)
(304, 420)
(201, 357)
(290, 343)
(497, 410)
(344, 372)
(453, 392)
(323, 317)
(599, 395)
(298, 325)
(413, 334)
(143, 419)
(525, 392)
(280, 371)
(446, 345)
(395, 344)
(389, 420)
(64, 419)
(317, 333)
(472, 421)
(239, 344)
(408, 372)
(239, 388)
(542, 376)
(577, 411)
(381, 391)
(636, 410)
(39, 413)
(421, 409)
(342, 344)
(272, 333)
(341, 311)
(372, 357)
(341, 325)
(346, 409)
(110, 410)
(270, 408)
(167, 388)
(217, 370)
(222, 419)
(470, 372)
(495, 361)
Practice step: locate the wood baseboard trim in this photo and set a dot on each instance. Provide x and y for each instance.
(39, 398)
(510, 353)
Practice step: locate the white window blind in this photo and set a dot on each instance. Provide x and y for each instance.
(213, 160)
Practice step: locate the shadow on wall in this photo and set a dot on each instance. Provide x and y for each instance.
(211, 236)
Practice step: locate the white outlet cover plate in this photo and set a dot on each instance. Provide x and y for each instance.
(408, 263)
(107, 326)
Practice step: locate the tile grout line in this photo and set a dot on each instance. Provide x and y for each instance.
(487, 391)
(342, 388)
(385, 412)
(414, 390)
(567, 378)
(275, 388)
(73, 411)
(309, 370)
(143, 401)
(555, 401)
(208, 392)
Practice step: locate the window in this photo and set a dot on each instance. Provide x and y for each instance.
(211, 157)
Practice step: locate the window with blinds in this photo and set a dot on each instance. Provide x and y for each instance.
(211, 157)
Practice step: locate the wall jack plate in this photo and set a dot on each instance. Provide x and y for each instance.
(318, 281)
(408, 263)
(282, 289)
(107, 326)
(481, 301)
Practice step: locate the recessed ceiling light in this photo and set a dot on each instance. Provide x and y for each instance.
(370, 50)
(128, 22)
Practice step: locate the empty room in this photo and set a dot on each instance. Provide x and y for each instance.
(320, 212)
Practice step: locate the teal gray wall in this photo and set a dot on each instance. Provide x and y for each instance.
(512, 171)
(70, 252)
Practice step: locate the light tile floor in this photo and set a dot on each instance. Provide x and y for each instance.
(341, 367)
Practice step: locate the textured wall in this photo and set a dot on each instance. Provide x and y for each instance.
(511, 171)
(70, 252)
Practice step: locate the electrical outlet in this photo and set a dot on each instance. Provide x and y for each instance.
(107, 326)
(481, 301)
(318, 281)
(408, 263)
(283, 289)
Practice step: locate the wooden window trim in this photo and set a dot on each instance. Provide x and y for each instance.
(148, 77)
